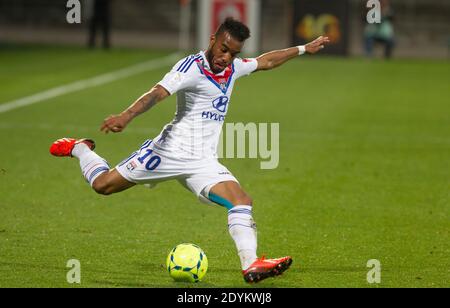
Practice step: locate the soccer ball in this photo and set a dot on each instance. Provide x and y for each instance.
(187, 262)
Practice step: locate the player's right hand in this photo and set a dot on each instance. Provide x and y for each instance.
(114, 123)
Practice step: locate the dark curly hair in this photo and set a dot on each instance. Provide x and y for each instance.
(235, 28)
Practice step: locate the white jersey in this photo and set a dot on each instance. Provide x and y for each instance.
(203, 99)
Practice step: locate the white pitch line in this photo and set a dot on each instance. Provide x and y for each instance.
(89, 83)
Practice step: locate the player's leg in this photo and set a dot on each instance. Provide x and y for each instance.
(241, 225)
(95, 169)
(214, 183)
(111, 182)
(369, 43)
(232, 192)
(242, 229)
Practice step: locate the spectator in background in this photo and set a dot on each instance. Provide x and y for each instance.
(382, 33)
(99, 17)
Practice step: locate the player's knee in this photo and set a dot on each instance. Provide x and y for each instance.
(243, 200)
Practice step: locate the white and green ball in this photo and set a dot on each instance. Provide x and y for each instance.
(187, 262)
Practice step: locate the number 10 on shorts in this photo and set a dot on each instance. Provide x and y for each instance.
(152, 163)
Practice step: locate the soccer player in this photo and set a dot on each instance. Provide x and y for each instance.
(186, 148)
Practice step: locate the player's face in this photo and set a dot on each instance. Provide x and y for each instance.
(222, 51)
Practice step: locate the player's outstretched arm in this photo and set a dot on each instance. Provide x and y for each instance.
(117, 123)
(275, 58)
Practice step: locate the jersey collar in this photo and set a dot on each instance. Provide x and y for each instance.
(205, 64)
(221, 80)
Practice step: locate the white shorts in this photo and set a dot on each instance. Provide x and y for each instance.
(147, 166)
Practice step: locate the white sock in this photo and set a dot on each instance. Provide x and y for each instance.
(243, 231)
(91, 164)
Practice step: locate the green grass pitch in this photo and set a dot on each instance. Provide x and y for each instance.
(364, 174)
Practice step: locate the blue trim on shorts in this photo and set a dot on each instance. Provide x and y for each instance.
(146, 143)
(128, 159)
(220, 201)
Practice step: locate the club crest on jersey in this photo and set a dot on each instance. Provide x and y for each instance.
(221, 103)
(131, 166)
(223, 84)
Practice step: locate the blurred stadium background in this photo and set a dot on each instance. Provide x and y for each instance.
(422, 27)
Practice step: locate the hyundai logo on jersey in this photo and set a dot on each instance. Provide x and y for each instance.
(221, 103)
(213, 116)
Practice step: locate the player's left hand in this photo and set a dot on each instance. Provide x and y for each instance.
(317, 44)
